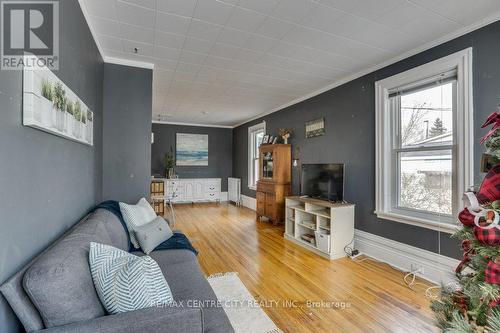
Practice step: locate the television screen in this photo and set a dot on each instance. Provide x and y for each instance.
(323, 181)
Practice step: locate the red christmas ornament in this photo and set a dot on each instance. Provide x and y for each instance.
(492, 273)
(466, 217)
(490, 187)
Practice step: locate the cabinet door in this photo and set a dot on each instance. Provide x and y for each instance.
(198, 190)
(261, 204)
(270, 205)
(189, 191)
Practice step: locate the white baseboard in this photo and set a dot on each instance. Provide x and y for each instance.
(248, 202)
(223, 196)
(435, 267)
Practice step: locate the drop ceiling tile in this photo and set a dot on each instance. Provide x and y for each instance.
(138, 34)
(224, 50)
(110, 43)
(172, 23)
(169, 40)
(192, 57)
(291, 10)
(244, 19)
(166, 52)
(400, 15)
(188, 68)
(106, 27)
(165, 64)
(178, 7)
(105, 9)
(248, 55)
(150, 4)
(233, 37)
(142, 48)
(135, 15)
(260, 43)
(362, 8)
(204, 30)
(261, 6)
(213, 11)
(429, 26)
(197, 45)
(274, 28)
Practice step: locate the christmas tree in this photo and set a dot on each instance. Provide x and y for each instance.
(473, 303)
(437, 128)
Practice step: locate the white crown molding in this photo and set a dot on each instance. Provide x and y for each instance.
(126, 62)
(189, 124)
(484, 22)
(86, 15)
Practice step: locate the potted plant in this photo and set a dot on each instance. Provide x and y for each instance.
(90, 120)
(59, 100)
(77, 114)
(285, 134)
(69, 122)
(45, 113)
(170, 164)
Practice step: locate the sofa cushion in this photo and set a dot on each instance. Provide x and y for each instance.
(188, 283)
(59, 282)
(126, 282)
(136, 215)
(116, 231)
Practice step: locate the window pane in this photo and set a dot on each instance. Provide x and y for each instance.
(258, 140)
(427, 116)
(426, 181)
(255, 170)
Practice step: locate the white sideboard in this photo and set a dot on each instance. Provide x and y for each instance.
(193, 189)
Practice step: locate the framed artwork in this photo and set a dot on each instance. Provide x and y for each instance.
(265, 140)
(191, 149)
(51, 106)
(315, 128)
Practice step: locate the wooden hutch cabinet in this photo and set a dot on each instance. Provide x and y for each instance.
(274, 183)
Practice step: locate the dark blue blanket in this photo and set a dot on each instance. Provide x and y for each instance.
(178, 241)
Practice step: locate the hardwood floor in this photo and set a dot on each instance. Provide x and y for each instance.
(229, 239)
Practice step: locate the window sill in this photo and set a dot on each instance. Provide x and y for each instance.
(419, 222)
(252, 187)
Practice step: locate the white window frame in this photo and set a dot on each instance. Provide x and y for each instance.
(252, 183)
(463, 139)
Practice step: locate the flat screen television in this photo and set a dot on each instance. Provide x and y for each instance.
(323, 181)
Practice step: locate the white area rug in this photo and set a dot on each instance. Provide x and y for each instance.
(242, 309)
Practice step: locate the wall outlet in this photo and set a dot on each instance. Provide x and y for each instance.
(417, 269)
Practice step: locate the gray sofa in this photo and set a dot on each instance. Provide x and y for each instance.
(55, 291)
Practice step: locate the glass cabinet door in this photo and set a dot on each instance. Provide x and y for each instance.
(267, 165)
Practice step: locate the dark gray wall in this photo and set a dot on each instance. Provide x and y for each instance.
(47, 182)
(220, 146)
(349, 111)
(127, 109)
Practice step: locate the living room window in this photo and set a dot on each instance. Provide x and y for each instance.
(424, 142)
(255, 136)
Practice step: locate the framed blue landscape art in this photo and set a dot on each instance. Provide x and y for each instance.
(192, 149)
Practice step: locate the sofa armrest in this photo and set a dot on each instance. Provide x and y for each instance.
(156, 319)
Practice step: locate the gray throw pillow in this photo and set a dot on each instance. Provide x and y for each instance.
(152, 234)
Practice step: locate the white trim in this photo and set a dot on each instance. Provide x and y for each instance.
(86, 15)
(462, 61)
(126, 62)
(188, 124)
(249, 202)
(460, 32)
(250, 155)
(223, 196)
(436, 268)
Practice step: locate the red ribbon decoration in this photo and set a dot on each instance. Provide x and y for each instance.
(494, 119)
(468, 252)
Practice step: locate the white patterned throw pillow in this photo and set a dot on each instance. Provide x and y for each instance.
(135, 216)
(125, 282)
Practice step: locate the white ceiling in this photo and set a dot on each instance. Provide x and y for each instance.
(224, 62)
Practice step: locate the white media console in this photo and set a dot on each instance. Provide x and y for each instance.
(331, 224)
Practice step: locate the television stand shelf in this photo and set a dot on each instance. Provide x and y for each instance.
(320, 226)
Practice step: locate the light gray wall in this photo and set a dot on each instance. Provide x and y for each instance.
(220, 146)
(349, 111)
(47, 183)
(127, 109)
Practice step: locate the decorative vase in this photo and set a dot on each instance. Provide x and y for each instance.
(170, 173)
(285, 140)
